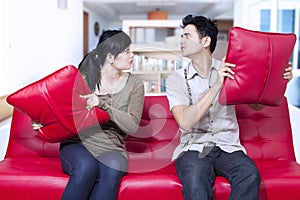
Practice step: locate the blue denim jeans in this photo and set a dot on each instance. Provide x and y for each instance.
(90, 177)
(198, 174)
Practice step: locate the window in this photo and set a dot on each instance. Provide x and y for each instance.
(286, 24)
(265, 20)
(286, 21)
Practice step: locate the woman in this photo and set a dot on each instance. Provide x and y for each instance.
(96, 160)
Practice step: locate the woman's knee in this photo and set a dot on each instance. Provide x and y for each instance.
(114, 160)
(76, 160)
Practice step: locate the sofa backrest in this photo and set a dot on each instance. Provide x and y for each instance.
(152, 146)
(266, 134)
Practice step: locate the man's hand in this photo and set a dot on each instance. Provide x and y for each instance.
(288, 73)
(225, 71)
(92, 100)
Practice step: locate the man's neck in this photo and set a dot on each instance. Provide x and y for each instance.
(202, 65)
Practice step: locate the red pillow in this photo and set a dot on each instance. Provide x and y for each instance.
(260, 60)
(54, 102)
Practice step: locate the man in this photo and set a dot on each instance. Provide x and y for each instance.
(210, 144)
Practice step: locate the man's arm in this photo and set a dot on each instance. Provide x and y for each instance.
(187, 116)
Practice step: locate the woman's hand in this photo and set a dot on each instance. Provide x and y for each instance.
(288, 73)
(92, 100)
(36, 126)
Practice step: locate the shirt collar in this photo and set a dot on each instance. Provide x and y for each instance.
(192, 72)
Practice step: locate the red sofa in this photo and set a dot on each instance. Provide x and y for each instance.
(31, 169)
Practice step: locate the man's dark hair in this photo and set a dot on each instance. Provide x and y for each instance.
(205, 27)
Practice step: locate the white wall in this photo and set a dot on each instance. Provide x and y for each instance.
(39, 38)
(294, 117)
(36, 38)
(2, 40)
(4, 136)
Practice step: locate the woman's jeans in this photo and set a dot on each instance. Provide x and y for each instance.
(89, 177)
(198, 174)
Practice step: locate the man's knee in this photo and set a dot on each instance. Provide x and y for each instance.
(254, 177)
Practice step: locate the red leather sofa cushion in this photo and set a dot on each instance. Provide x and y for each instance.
(151, 147)
(54, 102)
(260, 60)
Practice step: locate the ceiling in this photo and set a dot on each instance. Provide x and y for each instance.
(129, 9)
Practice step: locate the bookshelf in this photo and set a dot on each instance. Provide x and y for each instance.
(156, 49)
(154, 64)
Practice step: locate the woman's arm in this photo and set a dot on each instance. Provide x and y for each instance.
(129, 121)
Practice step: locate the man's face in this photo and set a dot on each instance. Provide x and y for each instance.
(190, 43)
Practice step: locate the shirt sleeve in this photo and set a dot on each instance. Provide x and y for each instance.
(177, 93)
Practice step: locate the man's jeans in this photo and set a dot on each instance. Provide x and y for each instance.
(89, 177)
(198, 173)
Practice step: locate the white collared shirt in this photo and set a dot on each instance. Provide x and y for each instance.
(218, 126)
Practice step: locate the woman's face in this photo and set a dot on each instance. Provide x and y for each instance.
(124, 60)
